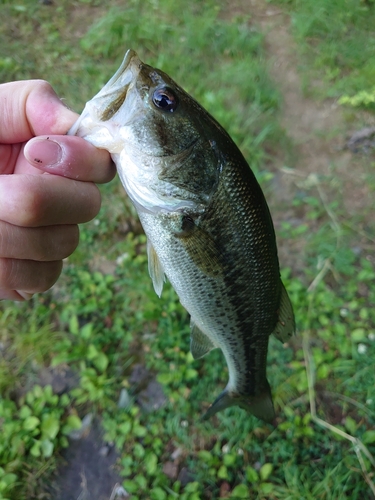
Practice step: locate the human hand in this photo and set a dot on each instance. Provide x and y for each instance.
(39, 212)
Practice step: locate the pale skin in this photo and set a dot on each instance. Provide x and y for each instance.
(40, 212)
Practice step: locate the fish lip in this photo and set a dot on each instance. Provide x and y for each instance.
(122, 79)
(130, 57)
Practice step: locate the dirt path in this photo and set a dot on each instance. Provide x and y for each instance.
(318, 130)
(308, 122)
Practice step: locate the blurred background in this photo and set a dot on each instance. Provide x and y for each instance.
(98, 391)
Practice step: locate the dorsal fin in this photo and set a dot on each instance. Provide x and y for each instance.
(285, 327)
(155, 269)
(200, 344)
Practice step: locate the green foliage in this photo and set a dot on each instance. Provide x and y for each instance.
(36, 426)
(364, 98)
(103, 317)
(337, 39)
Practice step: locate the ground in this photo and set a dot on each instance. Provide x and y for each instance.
(318, 132)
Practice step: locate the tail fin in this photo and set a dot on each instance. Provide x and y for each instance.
(261, 406)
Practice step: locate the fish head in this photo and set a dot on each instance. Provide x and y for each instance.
(163, 142)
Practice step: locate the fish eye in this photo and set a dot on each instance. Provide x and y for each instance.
(165, 99)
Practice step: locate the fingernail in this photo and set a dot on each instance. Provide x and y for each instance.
(43, 152)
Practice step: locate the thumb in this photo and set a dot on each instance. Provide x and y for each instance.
(30, 108)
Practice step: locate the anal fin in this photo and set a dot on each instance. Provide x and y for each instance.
(200, 344)
(155, 269)
(286, 326)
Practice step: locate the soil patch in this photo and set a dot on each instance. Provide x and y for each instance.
(88, 466)
(320, 135)
(88, 470)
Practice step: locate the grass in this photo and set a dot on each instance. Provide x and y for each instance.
(103, 316)
(337, 40)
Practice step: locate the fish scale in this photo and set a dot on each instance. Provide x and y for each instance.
(207, 222)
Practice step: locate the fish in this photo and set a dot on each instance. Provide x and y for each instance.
(208, 226)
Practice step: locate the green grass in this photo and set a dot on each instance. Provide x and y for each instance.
(101, 323)
(337, 40)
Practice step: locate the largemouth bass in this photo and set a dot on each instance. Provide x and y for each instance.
(208, 225)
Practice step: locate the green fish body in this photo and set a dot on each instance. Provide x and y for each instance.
(208, 225)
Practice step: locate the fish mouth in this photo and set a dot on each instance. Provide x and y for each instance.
(131, 61)
(110, 98)
(114, 93)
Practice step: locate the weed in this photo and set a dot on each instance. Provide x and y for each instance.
(337, 39)
(103, 316)
(35, 427)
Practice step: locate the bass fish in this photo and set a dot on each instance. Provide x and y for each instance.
(208, 226)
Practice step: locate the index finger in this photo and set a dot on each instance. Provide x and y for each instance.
(30, 108)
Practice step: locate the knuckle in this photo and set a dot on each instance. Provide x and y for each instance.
(50, 276)
(71, 240)
(25, 201)
(28, 276)
(34, 203)
(59, 244)
(41, 86)
(5, 237)
(6, 273)
(88, 199)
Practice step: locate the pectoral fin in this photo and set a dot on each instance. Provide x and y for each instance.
(155, 269)
(285, 327)
(200, 344)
